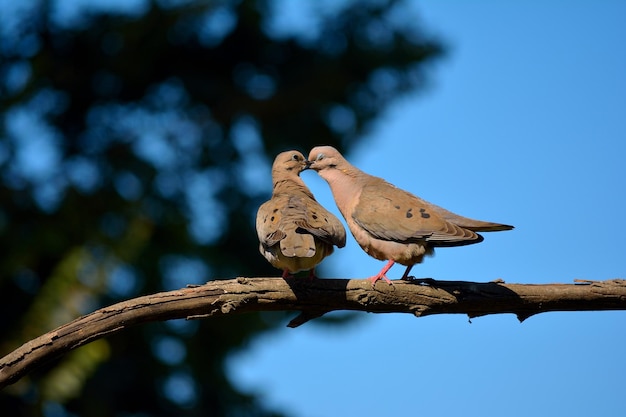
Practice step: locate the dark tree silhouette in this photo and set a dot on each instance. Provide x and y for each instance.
(136, 147)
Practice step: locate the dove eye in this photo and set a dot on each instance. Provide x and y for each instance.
(295, 157)
(319, 157)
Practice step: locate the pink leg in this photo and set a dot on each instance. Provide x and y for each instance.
(381, 274)
(287, 274)
(405, 276)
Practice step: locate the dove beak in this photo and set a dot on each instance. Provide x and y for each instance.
(308, 164)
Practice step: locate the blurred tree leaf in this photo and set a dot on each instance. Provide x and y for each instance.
(136, 147)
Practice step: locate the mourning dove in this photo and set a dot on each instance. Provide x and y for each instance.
(390, 223)
(295, 231)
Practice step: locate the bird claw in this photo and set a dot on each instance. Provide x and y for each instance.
(381, 274)
(379, 277)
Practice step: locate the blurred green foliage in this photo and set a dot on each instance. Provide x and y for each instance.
(136, 144)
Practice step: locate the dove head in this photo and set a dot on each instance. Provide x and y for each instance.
(288, 163)
(325, 158)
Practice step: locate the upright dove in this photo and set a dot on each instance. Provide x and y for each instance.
(295, 232)
(389, 223)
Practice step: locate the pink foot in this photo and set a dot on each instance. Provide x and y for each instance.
(287, 274)
(381, 274)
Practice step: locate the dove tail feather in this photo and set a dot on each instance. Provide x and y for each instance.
(298, 245)
(450, 243)
(470, 224)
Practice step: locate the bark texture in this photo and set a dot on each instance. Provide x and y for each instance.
(420, 297)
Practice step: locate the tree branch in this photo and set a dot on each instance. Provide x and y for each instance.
(420, 297)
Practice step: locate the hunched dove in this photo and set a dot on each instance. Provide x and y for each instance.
(295, 231)
(390, 223)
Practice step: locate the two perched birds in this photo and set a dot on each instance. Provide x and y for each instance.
(390, 224)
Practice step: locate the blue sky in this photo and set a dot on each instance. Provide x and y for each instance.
(525, 123)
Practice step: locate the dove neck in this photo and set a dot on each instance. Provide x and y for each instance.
(345, 184)
(289, 185)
